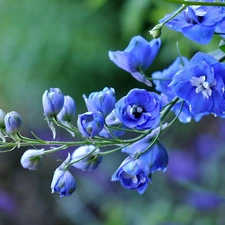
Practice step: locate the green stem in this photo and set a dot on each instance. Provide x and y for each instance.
(196, 3)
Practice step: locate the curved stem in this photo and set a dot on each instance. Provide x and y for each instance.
(196, 3)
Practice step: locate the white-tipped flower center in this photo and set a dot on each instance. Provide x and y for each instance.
(202, 85)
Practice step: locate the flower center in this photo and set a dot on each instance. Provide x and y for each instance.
(137, 111)
(199, 15)
(202, 85)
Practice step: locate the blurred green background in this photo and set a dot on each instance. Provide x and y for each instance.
(65, 44)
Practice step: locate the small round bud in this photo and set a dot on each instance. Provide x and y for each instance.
(31, 159)
(13, 122)
(156, 31)
(90, 162)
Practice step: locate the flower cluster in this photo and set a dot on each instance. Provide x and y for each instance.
(190, 88)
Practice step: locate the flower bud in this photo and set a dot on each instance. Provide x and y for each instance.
(63, 181)
(31, 159)
(13, 122)
(90, 123)
(156, 31)
(52, 102)
(68, 111)
(90, 162)
(102, 101)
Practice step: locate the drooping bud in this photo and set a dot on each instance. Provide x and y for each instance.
(90, 123)
(63, 181)
(32, 158)
(90, 162)
(156, 31)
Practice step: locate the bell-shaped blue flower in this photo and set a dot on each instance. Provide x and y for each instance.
(63, 181)
(88, 163)
(201, 84)
(66, 115)
(90, 123)
(102, 101)
(13, 122)
(197, 23)
(137, 57)
(52, 102)
(139, 109)
(133, 174)
(31, 159)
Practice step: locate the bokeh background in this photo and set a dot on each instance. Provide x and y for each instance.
(65, 44)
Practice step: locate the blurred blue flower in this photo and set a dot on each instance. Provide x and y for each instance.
(183, 166)
(205, 201)
(31, 159)
(139, 109)
(90, 162)
(137, 57)
(13, 122)
(133, 174)
(200, 83)
(63, 181)
(90, 123)
(52, 102)
(197, 23)
(102, 101)
(7, 202)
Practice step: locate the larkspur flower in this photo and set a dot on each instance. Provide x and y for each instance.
(133, 174)
(2, 125)
(63, 181)
(32, 158)
(102, 101)
(137, 57)
(139, 109)
(201, 84)
(90, 123)
(197, 23)
(90, 162)
(162, 79)
(136, 170)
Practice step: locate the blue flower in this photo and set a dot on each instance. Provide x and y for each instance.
(52, 102)
(162, 79)
(102, 101)
(133, 174)
(31, 159)
(201, 84)
(90, 123)
(90, 162)
(63, 181)
(137, 57)
(13, 122)
(197, 23)
(139, 109)
(156, 157)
